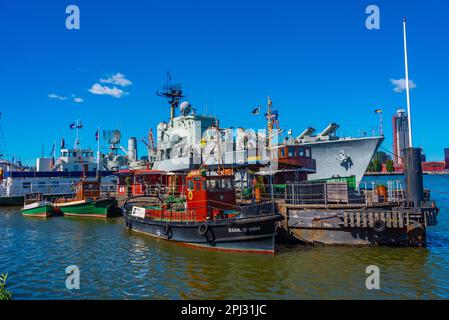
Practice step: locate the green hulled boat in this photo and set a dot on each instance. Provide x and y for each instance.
(35, 206)
(87, 202)
(101, 208)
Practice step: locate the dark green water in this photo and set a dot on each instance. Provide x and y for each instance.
(117, 264)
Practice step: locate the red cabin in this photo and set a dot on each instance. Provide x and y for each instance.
(140, 182)
(210, 195)
(290, 156)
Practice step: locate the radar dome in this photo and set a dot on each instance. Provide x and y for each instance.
(185, 108)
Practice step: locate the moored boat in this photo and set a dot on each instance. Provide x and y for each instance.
(36, 206)
(209, 218)
(87, 202)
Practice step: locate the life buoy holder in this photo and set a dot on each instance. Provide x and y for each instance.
(190, 195)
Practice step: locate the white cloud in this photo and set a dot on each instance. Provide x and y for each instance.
(55, 96)
(117, 79)
(78, 100)
(400, 84)
(105, 90)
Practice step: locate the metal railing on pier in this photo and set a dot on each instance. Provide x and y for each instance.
(324, 193)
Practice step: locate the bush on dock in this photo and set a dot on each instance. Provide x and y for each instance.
(4, 294)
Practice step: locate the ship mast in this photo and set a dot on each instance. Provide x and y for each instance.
(269, 121)
(174, 93)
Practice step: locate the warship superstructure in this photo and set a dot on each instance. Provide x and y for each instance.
(189, 140)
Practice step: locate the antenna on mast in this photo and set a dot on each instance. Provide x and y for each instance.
(174, 93)
(407, 83)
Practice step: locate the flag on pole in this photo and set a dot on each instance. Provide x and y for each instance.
(378, 111)
(62, 143)
(256, 111)
(72, 126)
(274, 115)
(97, 135)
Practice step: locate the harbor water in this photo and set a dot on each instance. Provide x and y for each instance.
(115, 263)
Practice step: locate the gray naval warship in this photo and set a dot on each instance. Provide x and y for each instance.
(339, 156)
(189, 140)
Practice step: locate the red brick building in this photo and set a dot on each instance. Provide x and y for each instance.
(433, 166)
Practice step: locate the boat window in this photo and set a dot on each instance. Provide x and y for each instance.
(41, 184)
(190, 185)
(282, 152)
(301, 152)
(291, 151)
(197, 185)
(219, 184)
(26, 185)
(64, 154)
(307, 150)
(228, 184)
(74, 154)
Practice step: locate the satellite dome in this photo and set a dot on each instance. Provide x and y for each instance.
(185, 107)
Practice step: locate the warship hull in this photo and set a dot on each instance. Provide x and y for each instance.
(343, 157)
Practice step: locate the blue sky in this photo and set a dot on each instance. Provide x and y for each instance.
(316, 60)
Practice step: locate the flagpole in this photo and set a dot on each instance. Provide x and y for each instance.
(407, 84)
(98, 149)
(381, 124)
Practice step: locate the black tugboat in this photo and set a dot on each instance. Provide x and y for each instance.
(208, 218)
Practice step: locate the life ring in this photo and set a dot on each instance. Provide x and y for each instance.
(190, 195)
(203, 228)
(379, 226)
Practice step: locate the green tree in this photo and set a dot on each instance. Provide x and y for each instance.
(377, 165)
(390, 166)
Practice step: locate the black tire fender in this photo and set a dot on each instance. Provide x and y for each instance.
(166, 228)
(379, 226)
(203, 228)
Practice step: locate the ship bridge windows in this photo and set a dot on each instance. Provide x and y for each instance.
(64, 153)
(220, 184)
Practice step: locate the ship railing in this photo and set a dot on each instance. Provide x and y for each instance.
(47, 189)
(143, 189)
(179, 215)
(295, 194)
(394, 190)
(325, 193)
